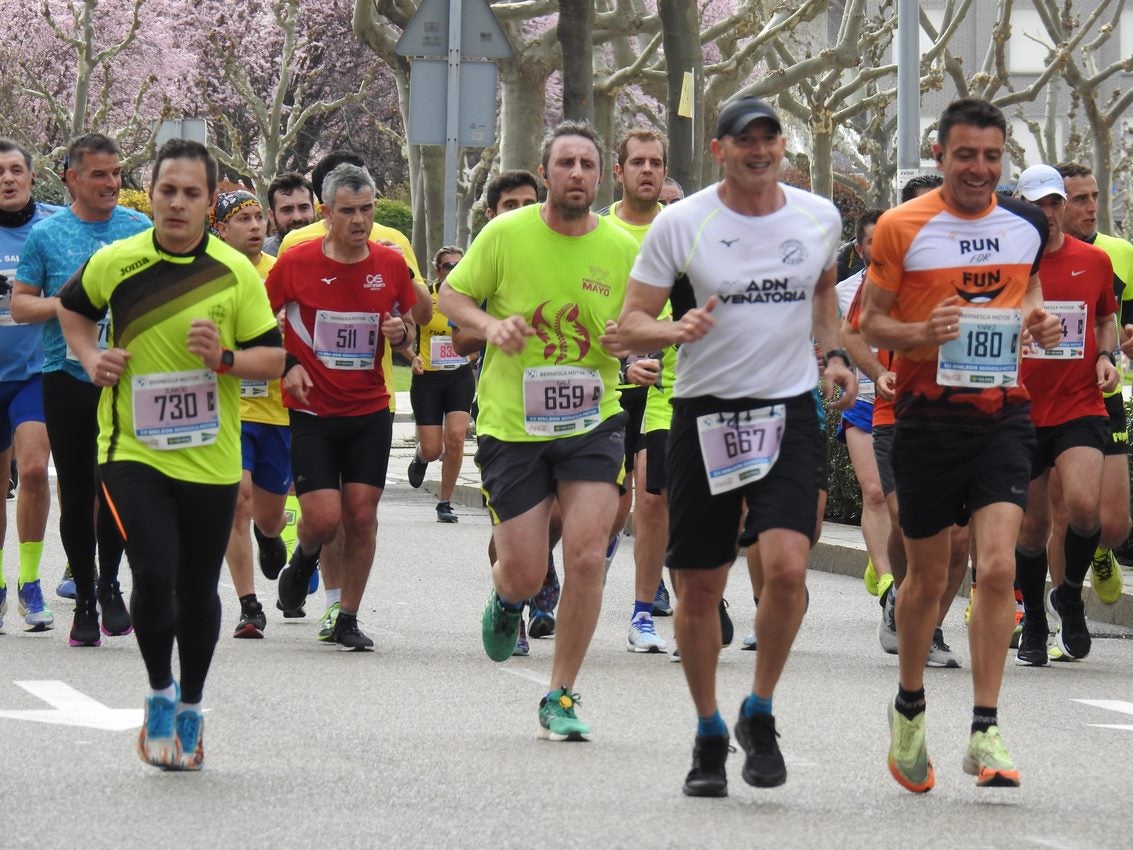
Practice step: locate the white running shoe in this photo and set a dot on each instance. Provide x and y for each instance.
(643, 637)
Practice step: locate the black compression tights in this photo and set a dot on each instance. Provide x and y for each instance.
(176, 533)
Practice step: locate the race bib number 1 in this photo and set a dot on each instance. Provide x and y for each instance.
(346, 340)
(176, 410)
(739, 448)
(561, 400)
(1072, 344)
(986, 354)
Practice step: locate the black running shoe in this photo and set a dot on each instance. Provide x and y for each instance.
(1069, 619)
(272, 554)
(252, 623)
(708, 778)
(445, 513)
(84, 628)
(1032, 643)
(115, 616)
(295, 578)
(347, 634)
(541, 624)
(763, 767)
(727, 630)
(417, 469)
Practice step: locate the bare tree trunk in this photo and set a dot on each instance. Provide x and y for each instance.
(521, 117)
(680, 28)
(822, 155)
(604, 118)
(575, 31)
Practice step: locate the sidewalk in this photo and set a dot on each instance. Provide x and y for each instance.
(840, 549)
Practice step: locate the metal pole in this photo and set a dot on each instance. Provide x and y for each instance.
(908, 85)
(452, 123)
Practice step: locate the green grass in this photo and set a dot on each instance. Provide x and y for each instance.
(402, 376)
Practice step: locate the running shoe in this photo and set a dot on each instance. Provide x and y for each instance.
(727, 629)
(522, 647)
(643, 636)
(417, 469)
(157, 739)
(987, 760)
(870, 578)
(295, 579)
(115, 616)
(675, 655)
(499, 628)
(84, 626)
(253, 621)
(611, 551)
(662, 605)
(348, 635)
(542, 624)
(1020, 613)
(708, 778)
(291, 613)
(272, 554)
(547, 599)
(939, 653)
(326, 624)
(445, 513)
(1032, 645)
(189, 725)
(883, 584)
(3, 606)
(1105, 576)
(313, 582)
(557, 719)
(1068, 618)
(749, 642)
(763, 765)
(66, 586)
(908, 757)
(36, 614)
(887, 628)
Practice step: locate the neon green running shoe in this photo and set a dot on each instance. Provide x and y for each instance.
(326, 624)
(557, 719)
(870, 578)
(988, 761)
(1105, 576)
(499, 628)
(908, 757)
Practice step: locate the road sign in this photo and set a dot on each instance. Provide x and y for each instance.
(72, 708)
(427, 33)
(428, 99)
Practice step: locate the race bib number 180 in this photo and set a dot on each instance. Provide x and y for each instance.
(740, 448)
(986, 354)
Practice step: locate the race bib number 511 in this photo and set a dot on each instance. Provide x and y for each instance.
(986, 354)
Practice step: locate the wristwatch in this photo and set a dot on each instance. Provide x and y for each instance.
(227, 360)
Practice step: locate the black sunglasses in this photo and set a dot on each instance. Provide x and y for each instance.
(449, 266)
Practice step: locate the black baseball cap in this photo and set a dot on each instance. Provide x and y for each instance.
(741, 112)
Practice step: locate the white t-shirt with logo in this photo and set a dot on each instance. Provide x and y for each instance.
(763, 271)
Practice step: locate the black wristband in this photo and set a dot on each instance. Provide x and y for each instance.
(1108, 355)
(839, 352)
(404, 339)
(288, 361)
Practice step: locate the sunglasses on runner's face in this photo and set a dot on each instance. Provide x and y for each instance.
(449, 266)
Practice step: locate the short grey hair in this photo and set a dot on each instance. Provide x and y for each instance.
(352, 178)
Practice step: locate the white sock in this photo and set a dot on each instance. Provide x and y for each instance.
(333, 596)
(169, 693)
(189, 706)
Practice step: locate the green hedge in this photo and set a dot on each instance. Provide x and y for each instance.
(394, 214)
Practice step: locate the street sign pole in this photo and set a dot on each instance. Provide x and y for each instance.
(452, 131)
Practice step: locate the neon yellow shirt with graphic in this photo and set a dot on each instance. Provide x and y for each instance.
(566, 288)
(153, 296)
(262, 401)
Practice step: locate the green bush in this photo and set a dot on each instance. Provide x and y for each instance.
(844, 499)
(394, 214)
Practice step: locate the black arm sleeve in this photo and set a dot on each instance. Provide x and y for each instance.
(1126, 313)
(75, 299)
(269, 339)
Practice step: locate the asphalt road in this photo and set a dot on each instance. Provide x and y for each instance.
(426, 743)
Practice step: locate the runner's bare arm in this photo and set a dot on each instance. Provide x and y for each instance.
(81, 333)
(509, 335)
(262, 359)
(1044, 328)
(883, 331)
(639, 329)
(860, 352)
(29, 305)
(824, 325)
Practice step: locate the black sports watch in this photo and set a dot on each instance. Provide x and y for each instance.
(227, 361)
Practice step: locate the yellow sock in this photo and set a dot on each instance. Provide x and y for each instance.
(2, 583)
(30, 556)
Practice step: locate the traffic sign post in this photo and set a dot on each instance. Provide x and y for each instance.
(458, 30)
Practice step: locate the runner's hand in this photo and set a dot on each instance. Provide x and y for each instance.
(837, 374)
(1107, 375)
(108, 367)
(944, 322)
(886, 384)
(694, 324)
(297, 383)
(1127, 342)
(644, 373)
(611, 341)
(418, 365)
(204, 341)
(1045, 328)
(509, 335)
(393, 327)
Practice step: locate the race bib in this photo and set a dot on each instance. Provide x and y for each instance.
(103, 338)
(6, 320)
(253, 389)
(986, 354)
(739, 448)
(1072, 344)
(176, 410)
(346, 340)
(442, 355)
(560, 400)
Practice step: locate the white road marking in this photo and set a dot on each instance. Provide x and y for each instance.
(69, 707)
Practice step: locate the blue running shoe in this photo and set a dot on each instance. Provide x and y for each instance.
(662, 606)
(66, 586)
(547, 599)
(611, 551)
(313, 584)
(190, 727)
(3, 607)
(157, 740)
(36, 614)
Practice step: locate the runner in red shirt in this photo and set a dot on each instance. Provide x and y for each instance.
(1065, 384)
